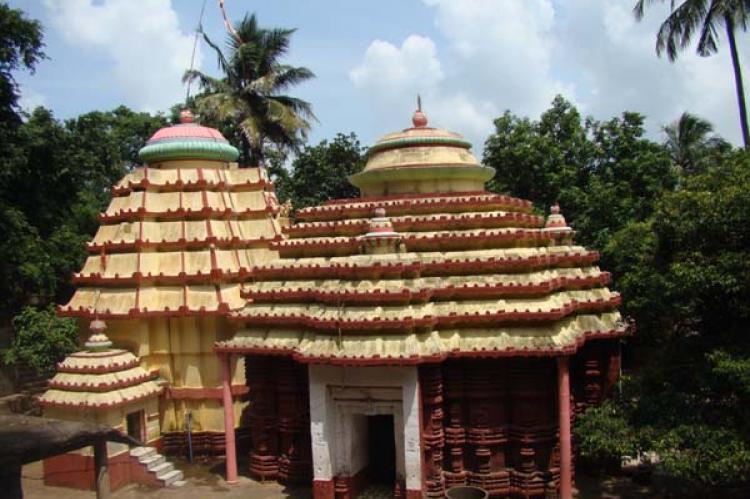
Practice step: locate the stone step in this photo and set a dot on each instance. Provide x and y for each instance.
(161, 468)
(170, 477)
(153, 461)
(142, 452)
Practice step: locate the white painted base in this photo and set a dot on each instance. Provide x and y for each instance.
(340, 400)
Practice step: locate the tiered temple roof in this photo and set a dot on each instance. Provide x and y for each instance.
(425, 266)
(99, 377)
(180, 234)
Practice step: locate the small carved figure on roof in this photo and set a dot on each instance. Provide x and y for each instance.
(381, 237)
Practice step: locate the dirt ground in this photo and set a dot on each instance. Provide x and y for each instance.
(205, 480)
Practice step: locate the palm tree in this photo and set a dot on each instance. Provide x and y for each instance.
(690, 140)
(706, 17)
(249, 94)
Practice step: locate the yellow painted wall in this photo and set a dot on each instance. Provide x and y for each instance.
(181, 349)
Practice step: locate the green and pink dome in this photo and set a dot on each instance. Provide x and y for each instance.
(187, 140)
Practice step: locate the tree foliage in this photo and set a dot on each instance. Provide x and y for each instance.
(674, 230)
(319, 173)
(42, 339)
(692, 144)
(704, 19)
(249, 97)
(603, 174)
(55, 182)
(20, 48)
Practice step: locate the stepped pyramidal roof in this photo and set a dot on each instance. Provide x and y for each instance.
(424, 266)
(99, 376)
(180, 233)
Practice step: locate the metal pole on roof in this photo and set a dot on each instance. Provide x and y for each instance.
(198, 31)
(228, 23)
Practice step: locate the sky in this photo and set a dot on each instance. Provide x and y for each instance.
(469, 59)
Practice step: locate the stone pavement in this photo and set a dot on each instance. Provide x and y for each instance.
(203, 481)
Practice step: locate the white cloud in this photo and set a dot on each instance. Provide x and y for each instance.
(492, 55)
(413, 65)
(142, 40)
(31, 99)
(622, 71)
(497, 56)
(392, 76)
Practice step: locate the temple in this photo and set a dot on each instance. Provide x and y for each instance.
(426, 335)
(165, 267)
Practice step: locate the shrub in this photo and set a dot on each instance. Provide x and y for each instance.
(42, 339)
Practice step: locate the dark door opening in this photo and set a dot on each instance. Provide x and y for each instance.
(135, 422)
(382, 449)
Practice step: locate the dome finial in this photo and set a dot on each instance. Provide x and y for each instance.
(98, 340)
(419, 119)
(186, 116)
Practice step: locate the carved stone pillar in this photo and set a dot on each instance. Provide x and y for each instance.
(431, 385)
(260, 375)
(484, 385)
(593, 380)
(295, 456)
(534, 424)
(455, 427)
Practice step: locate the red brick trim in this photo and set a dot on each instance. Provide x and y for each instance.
(323, 489)
(415, 360)
(181, 185)
(408, 323)
(451, 266)
(477, 290)
(486, 220)
(178, 244)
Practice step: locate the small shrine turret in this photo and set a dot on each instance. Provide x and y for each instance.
(557, 226)
(105, 385)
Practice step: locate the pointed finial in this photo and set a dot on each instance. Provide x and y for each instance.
(419, 119)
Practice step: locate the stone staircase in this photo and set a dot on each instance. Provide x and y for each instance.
(156, 469)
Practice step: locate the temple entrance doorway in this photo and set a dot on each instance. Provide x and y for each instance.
(382, 450)
(136, 425)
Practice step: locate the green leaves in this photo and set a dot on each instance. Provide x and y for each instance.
(319, 173)
(42, 339)
(604, 174)
(53, 186)
(604, 434)
(673, 226)
(20, 47)
(708, 455)
(247, 103)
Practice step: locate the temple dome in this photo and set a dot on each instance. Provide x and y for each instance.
(421, 159)
(187, 140)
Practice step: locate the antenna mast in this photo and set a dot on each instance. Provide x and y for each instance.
(228, 23)
(198, 31)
